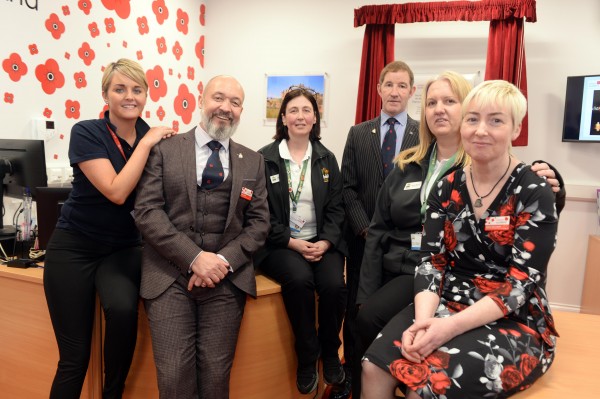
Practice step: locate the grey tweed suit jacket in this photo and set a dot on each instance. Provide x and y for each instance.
(166, 207)
(362, 169)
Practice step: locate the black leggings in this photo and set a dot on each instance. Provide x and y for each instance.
(76, 268)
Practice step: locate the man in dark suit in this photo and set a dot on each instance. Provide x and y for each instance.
(370, 149)
(202, 210)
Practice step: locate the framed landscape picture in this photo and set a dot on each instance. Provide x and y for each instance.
(278, 85)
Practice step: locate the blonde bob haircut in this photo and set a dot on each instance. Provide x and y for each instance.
(460, 87)
(127, 67)
(498, 93)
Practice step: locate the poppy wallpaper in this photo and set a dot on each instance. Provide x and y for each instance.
(54, 52)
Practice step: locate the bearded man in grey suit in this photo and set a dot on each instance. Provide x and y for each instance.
(202, 210)
(370, 148)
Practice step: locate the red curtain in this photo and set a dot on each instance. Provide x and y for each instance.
(378, 50)
(485, 10)
(506, 60)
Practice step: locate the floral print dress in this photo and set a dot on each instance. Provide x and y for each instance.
(466, 260)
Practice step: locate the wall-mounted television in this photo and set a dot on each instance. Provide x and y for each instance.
(581, 121)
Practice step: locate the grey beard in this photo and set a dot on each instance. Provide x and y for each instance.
(218, 133)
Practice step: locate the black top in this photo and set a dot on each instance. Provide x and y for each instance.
(326, 183)
(86, 210)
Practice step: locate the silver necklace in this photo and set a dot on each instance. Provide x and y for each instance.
(478, 203)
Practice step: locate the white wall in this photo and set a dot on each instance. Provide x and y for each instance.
(249, 39)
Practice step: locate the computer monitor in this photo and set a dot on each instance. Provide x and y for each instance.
(22, 165)
(49, 201)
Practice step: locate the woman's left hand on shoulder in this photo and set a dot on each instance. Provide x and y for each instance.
(158, 133)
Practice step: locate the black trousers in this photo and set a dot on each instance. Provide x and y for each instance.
(389, 300)
(76, 268)
(299, 280)
(356, 249)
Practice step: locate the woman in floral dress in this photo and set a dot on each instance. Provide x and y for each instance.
(480, 326)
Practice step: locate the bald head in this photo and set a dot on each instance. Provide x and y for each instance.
(221, 105)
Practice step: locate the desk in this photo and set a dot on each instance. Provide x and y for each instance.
(28, 351)
(264, 364)
(590, 297)
(265, 361)
(574, 372)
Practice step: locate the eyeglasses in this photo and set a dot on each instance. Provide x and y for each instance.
(302, 89)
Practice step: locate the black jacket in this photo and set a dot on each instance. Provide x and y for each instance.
(327, 198)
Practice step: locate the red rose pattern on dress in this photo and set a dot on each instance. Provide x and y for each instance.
(510, 358)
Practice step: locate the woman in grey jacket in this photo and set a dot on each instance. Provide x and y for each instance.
(305, 250)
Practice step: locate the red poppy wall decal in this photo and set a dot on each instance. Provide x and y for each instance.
(104, 109)
(67, 56)
(72, 109)
(156, 83)
(8, 98)
(33, 50)
(109, 23)
(86, 53)
(202, 13)
(161, 45)
(85, 6)
(190, 73)
(66, 11)
(160, 113)
(55, 156)
(94, 31)
(47, 113)
(147, 114)
(160, 11)
(184, 104)
(14, 67)
(50, 76)
(200, 50)
(55, 26)
(177, 50)
(62, 136)
(176, 126)
(142, 23)
(80, 81)
(124, 44)
(121, 7)
(182, 21)
(139, 55)
(200, 88)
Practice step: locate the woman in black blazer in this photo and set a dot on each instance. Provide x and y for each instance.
(305, 250)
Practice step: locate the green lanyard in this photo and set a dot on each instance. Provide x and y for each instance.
(295, 197)
(432, 160)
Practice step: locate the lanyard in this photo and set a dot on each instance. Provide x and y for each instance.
(442, 171)
(117, 142)
(295, 197)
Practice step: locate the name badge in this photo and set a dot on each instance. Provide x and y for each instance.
(246, 193)
(296, 222)
(414, 185)
(497, 223)
(415, 241)
(274, 179)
